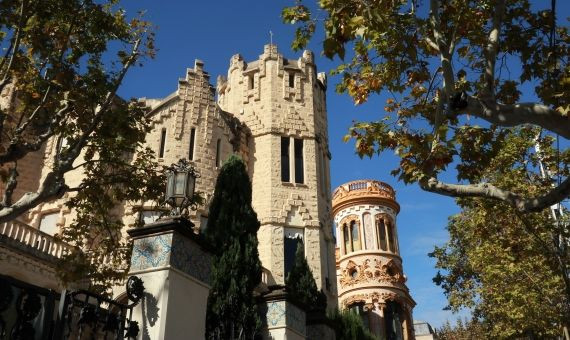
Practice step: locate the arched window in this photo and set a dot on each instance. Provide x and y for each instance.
(354, 232)
(346, 237)
(381, 232)
(351, 234)
(391, 238)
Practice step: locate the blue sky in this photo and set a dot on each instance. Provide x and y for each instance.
(213, 31)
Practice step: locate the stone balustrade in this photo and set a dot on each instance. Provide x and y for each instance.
(33, 238)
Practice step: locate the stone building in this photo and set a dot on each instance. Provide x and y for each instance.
(370, 275)
(270, 111)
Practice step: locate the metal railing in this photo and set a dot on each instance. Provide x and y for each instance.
(34, 239)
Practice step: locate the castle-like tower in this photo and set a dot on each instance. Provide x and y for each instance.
(369, 267)
(282, 103)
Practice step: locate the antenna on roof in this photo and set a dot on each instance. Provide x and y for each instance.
(270, 37)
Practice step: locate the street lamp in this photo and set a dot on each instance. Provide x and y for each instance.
(180, 186)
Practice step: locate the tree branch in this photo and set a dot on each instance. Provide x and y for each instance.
(445, 56)
(517, 114)
(493, 46)
(533, 204)
(10, 186)
(53, 186)
(6, 78)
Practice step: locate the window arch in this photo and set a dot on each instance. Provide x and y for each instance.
(352, 239)
(385, 233)
(355, 236)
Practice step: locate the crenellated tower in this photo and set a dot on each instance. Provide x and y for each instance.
(371, 280)
(282, 103)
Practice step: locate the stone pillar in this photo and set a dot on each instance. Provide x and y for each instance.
(281, 318)
(175, 268)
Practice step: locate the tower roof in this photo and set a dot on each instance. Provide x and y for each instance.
(367, 191)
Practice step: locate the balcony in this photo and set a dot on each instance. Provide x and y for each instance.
(22, 237)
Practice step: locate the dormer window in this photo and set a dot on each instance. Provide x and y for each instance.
(292, 80)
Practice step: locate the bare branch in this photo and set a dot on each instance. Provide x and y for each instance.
(493, 46)
(533, 204)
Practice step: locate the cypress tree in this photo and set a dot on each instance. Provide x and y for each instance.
(301, 285)
(236, 269)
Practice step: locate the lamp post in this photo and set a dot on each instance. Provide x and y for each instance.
(180, 186)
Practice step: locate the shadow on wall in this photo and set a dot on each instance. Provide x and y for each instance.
(150, 308)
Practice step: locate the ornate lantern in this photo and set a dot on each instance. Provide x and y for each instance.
(180, 185)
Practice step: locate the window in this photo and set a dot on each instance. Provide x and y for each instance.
(354, 232)
(285, 173)
(381, 232)
(291, 80)
(192, 141)
(291, 244)
(351, 235)
(296, 148)
(218, 151)
(391, 243)
(48, 223)
(162, 143)
(346, 237)
(358, 309)
(299, 167)
(393, 325)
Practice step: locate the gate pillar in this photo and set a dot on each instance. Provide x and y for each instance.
(175, 266)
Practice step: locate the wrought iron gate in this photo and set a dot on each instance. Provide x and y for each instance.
(29, 312)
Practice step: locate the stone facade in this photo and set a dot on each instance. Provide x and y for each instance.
(369, 267)
(264, 108)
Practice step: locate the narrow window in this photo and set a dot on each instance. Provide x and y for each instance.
(218, 151)
(250, 82)
(299, 173)
(291, 245)
(391, 237)
(291, 80)
(285, 176)
(381, 230)
(192, 141)
(355, 236)
(346, 236)
(162, 143)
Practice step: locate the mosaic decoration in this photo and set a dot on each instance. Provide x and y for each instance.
(276, 313)
(188, 257)
(173, 250)
(283, 314)
(151, 252)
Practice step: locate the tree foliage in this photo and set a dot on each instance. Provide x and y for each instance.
(463, 330)
(349, 326)
(61, 66)
(510, 268)
(301, 285)
(236, 269)
(455, 72)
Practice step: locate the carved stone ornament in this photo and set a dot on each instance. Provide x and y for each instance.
(377, 300)
(378, 272)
